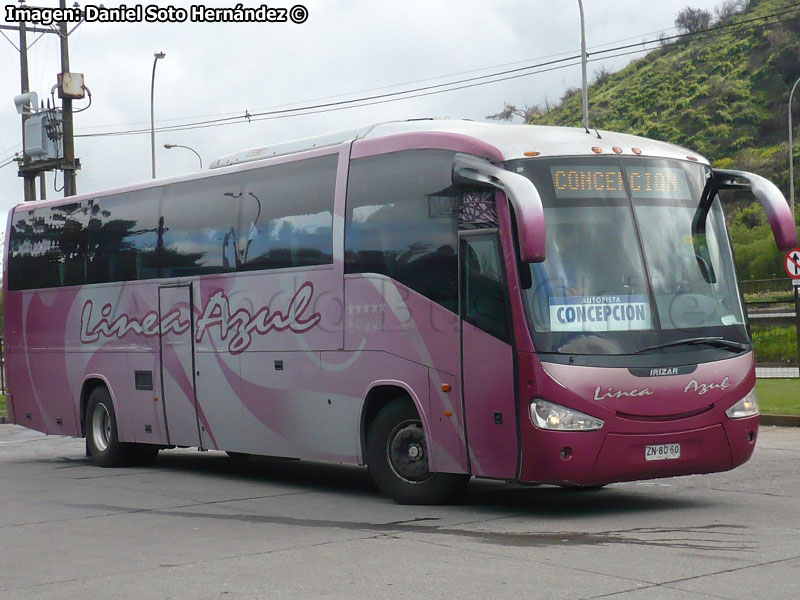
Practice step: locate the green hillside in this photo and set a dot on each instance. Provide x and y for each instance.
(723, 94)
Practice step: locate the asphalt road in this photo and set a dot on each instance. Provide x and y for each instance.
(202, 525)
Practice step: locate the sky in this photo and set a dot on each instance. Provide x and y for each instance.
(345, 49)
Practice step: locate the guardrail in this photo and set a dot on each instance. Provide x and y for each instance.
(767, 314)
(771, 303)
(755, 286)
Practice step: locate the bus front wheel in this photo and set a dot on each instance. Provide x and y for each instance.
(102, 435)
(397, 456)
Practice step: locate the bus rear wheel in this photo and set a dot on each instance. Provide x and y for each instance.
(102, 435)
(397, 456)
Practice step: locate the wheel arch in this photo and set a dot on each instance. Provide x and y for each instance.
(379, 394)
(90, 383)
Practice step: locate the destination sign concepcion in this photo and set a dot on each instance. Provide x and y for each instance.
(609, 182)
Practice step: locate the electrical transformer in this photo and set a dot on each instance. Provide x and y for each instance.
(43, 135)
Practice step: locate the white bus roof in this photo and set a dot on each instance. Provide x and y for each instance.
(512, 140)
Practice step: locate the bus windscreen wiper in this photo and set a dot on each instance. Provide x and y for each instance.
(720, 342)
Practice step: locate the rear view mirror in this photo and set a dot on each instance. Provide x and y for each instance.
(777, 208)
(523, 195)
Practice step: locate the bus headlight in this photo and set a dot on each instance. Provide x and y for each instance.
(547, 415)
(746, 407)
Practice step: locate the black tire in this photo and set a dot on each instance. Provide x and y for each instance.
(397, 457)
(102, 435)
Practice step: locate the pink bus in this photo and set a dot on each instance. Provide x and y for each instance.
(434, 299)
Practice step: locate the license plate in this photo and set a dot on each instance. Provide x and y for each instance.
(662, 451)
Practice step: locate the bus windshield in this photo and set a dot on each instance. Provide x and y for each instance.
(625, 271)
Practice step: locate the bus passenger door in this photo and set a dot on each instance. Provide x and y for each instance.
(176, 330)
(487, 357)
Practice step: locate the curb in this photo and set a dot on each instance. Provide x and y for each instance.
(780, 420)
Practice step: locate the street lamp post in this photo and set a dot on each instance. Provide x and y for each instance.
(152, 112)
(585, 85)
(791, 150)
(171, 146)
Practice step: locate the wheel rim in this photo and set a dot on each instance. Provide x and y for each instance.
(101, 427)
(408, 452)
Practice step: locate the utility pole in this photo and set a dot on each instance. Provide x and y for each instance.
(70, 186)
(70, 86)
(29, 178)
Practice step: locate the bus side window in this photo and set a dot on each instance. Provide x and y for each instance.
(49, 247)
(402, 222)
(483, 285)
(70, 237)
(287, 215)
(199, 231)
(22, 267)
(123, 234)
(45, 253)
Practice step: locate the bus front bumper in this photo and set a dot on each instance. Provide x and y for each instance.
(598, 458)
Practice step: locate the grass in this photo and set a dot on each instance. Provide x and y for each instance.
(778, 396)
(775, 344)
(757, 297)
(3, 412)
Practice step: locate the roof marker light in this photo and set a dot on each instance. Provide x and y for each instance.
(636, 150)
(597, 150)
(617, 150)
(531, 153)
(692, 158)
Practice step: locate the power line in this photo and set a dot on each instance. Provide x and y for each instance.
(383, 87)
(407, 94)
(238, 115)
(8, 162)
(637, 51)
(252, 116)
(466, 83)
(716, 28)
(310, 111)
(593, 50)
(9, 40)
(14, 147)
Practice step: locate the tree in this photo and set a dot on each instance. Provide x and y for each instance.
(569, 93)
(601, 76)
(692, 20)
(729, 8)
(510, 111)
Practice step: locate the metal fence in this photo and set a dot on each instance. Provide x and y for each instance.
(770, 303)
(777, 372)
(755, 286)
